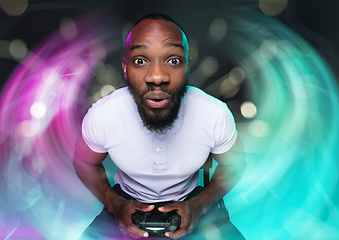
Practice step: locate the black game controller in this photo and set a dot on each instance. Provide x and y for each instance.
(156, 223)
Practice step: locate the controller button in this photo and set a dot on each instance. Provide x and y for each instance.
(172, 228)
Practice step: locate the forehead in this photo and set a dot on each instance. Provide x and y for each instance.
(154, 31)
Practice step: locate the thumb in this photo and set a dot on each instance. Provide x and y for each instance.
(145, 208)
(168, 208)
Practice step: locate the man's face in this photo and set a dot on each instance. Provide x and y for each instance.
(156, 66)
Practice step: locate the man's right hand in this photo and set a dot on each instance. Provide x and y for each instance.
(123, 210)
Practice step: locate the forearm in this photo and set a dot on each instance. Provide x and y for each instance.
(95, 179)
(223, 180)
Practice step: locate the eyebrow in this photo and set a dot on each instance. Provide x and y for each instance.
(138, 47)
(171, 44)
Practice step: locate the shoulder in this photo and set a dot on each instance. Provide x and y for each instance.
(196, 97)
(110, 108)
(114, 101)
(119, 95)
(107, 111)
(207, 108)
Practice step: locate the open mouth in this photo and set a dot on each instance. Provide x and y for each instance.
(157, 103)
(157, 99)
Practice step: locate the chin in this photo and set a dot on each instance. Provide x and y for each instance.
(158, 113)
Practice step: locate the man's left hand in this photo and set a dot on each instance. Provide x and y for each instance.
(189, 217)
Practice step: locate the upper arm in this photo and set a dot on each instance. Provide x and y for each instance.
(236, 154)
(83, 154)
(224, 133)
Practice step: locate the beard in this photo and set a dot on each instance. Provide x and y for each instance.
(158, 118)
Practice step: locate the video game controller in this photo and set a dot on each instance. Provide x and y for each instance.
(156, 223)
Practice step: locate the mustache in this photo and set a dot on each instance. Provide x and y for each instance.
(152, 87)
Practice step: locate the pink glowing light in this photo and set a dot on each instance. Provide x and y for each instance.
(41, 111)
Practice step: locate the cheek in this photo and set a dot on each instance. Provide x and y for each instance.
(135, 80)
(179, 79)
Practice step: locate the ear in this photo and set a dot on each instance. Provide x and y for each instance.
(124, 67)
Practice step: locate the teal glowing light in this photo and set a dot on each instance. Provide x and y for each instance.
(290, 187)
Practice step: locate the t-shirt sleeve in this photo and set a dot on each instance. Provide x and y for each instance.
(92, 131)
(225, 132)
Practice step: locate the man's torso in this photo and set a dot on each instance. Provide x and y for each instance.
(156, 166)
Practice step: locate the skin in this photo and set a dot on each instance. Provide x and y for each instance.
(157, 54)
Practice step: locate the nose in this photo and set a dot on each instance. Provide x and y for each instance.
(157, 74)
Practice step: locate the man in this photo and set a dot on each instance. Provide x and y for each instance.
(158, 132)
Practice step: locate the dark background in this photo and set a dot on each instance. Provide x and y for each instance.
(316, 21)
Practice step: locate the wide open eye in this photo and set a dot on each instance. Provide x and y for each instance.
(174, 61)
(139, 61)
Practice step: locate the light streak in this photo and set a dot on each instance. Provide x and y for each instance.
(41, 110)
(289, 189)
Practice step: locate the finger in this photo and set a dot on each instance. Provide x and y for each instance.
(145, 208)
(135, 232)
(182, 231)
(169, 207)
(175, 235)
(142, 206)
(128, 227)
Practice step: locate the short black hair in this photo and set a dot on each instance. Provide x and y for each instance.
(162, 16)
(159, 16)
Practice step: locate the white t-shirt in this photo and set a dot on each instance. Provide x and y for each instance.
(152, 166)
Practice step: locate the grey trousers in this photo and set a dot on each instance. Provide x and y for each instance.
(214, 224)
